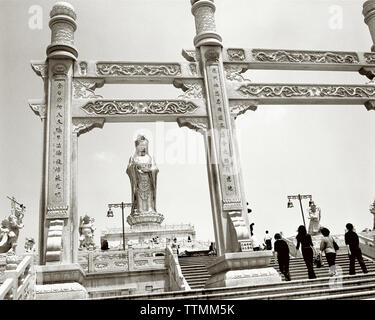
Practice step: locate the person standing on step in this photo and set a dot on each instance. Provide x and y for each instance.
(268, 241)
(304, 240)
(352, 242)
(327, 246)
(282, 249)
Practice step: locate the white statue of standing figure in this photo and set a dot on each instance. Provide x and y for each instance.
(142, 172)
(314, 216)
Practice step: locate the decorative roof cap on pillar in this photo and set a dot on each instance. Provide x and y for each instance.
(204, 13)
(369, 14)
(63, 8)
(63, 25)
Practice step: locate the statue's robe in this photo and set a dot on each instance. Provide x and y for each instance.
(142, 172)
(314, 225)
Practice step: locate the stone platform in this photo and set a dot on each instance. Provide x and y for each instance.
(242, 268)
(141, 235)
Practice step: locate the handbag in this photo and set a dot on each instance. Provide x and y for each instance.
(318, 261)
(335, 245)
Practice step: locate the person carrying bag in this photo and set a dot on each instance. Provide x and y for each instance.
(328, 245)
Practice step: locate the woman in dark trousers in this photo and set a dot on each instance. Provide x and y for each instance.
(304, 240)
(327, 246)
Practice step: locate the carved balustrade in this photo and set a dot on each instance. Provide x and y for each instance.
(368, 241)
(19, 283)
(149, 259)
(367, 245)
(120, 261)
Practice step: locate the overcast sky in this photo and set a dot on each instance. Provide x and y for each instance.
(326, 151)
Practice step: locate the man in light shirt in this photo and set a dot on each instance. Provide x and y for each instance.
(268, 241)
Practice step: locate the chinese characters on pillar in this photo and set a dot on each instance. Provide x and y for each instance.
(57, 142)
(231, 197)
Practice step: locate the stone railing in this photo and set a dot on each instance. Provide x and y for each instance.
(148, 259)
(2, 267)
(177, 281)
(19, 283)
(182, 226)
(193, 245)
(367, 245)
(119, 260)
(368, 241)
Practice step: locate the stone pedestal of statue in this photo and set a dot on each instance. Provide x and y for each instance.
(241, 269)
(145, 219)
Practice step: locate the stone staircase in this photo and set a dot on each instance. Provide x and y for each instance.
(195, 271)
(359, 286)
(298, 270)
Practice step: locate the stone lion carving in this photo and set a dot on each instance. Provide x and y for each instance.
(86, 232)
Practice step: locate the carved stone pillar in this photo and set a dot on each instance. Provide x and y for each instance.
(40, 109)
(233, 232)
(369, 14)
(223, 158)
(58, 222)
(203, 11)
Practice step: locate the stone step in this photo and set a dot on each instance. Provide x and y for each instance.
(195, 272)
(300, 261)
(243, 291)
(195, 266)
(363, 295)
(345, 268)
(305, 276)
(200, 278)
(325, 264)
(325, 270)
(300, 272)
(284, 292)
(196, 282)
(313, 293)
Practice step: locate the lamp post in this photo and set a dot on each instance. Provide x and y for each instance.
(121, 205)
(299, 197)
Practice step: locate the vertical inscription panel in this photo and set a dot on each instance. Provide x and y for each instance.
(57, 156)
(222, 131)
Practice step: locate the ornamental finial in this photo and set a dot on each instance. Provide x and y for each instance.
(62, 25)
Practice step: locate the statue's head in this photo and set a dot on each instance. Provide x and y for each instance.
(86, 219)
(29, 243)
(313, 206)
(141, 145)
(12, 220)
(5, 223)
